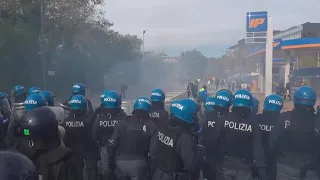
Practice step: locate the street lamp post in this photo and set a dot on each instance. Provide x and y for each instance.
(198, 68)
(143, 32)
(44, 66)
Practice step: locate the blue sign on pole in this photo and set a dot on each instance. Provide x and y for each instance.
(277, 44)
(256, 26)
(257, 21)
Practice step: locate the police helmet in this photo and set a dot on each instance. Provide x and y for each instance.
(242, 98)
(48, 96)
(40, 124)
(223, 98)
(273, 103)
(78, 102)
(142, 103)
(79, 88)
(33, 90)
(185, 110)
(110, 99)
(157, 95)
(305, 95)
(16, 166)
(102, 95)
(209, 103)
(34, 101)
(18, 90)
(5, 95)
(255, 105)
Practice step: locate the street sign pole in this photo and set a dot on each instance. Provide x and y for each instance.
(259, 30)
(269, 57)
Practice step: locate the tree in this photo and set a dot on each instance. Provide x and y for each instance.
(194, 62)
(78, 44)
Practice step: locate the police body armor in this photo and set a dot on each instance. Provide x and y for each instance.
(107, 124)
(210, 119)
(298, 142)
(167, 159)
(76, 133)
(266, 124)
(237, 132)
(159, 117)
(135, 140)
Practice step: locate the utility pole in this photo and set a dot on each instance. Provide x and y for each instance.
(143, 32)
(198, 68)
(44, 65)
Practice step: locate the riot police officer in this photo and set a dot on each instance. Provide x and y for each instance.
(236, 140)
(5, 95)
(59, 112)
(79, 88)
(223, 102)
(267, 119)
(22, 145)
(209, 104)
(157, 113)
(173, 147)
(16, 166)
(78, 137)
(18, 96)
(131, 139)
(108, 115)
(216, 106)
(33, 90)
(40, 127)
(48, 96)
(294, 140)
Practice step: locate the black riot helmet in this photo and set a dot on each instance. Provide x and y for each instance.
(15, 166)
(40, 124)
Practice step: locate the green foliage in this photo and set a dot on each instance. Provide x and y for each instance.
(78, 44)
(194, 63)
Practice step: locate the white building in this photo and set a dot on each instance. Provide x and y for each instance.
(291, 33)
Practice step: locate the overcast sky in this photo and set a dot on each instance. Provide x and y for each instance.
(207, 25)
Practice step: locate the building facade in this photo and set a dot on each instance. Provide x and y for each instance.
(305, 30)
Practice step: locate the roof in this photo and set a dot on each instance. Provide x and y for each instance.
(287, 44)
(233, 46)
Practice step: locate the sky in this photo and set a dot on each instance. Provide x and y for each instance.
(210, 26)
